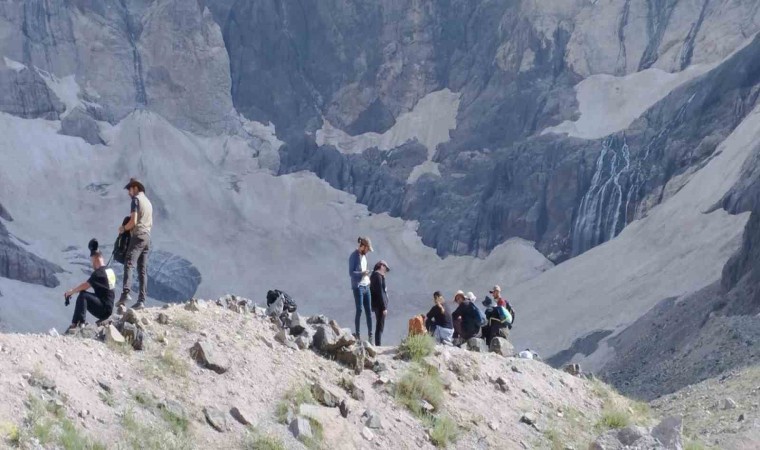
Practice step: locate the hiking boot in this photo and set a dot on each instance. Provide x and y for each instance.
(138, 306)
(369, 339)
(356, 336)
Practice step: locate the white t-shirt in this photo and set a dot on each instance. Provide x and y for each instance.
(365, 279)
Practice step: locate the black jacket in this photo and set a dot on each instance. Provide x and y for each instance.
(470, 317)
(378, 292)
(440, 318)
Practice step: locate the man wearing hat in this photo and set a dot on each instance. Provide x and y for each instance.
(379, 296)
(466, 317)
(360, 282)
(139, 226)
(103, 282)
(500, 301)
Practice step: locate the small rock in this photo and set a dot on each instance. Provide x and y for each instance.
(367, 434)
(207, 356)
(120, 310)
(344, 409)
(516, 370)
(741, 417)
(493, 425)
(502, 384)
(317, 320)
(426, 406)
(629, 435)
(301, 428)
(104, 385)
(281, 336)
(529, 419)
(335, 327)
(303, 342)
(130, 316)
(325, 339)
(477, 345)
(145, 321)
(216, 418)
(162, 318)
(53, 332)
(669, 432)
(297, 324)
(370, 349)
(501, 347)
(729, 403)
(84, 413)
(372, 420)
(242, 416)
(326, 395)
(113, 335)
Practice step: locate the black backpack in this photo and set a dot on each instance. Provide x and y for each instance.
(288, 304)
(121, 245)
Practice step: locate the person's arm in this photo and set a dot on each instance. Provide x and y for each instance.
(385, 297)
(132, 216)
(353, 264)
(82, 287)
(432, 313)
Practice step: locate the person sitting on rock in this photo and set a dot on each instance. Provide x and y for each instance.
(100, 303)
(379, 298)
(439, 322)
(466, 317)
(496, 292)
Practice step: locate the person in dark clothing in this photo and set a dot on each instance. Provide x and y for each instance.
(439, 322)
(100, 302)
(496, 317)
(139, 226)
(496, 292)
(379, 296)
(357, 270)
(466, 317)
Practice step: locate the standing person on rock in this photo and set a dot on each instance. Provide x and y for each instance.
(496, 292)
(379, 296)
(360, 282)
(139, 226)
(99, 303)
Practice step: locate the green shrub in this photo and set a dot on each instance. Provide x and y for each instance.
(143, 436)
(417, 385)
(444, 431)
(292, 401)
(613, 418)
(255, 440)
(48, 425)
(416, 348)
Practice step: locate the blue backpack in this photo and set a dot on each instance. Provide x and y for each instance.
(481, 315)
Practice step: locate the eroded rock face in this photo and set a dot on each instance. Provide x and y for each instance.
(18, 264)
(24, 93)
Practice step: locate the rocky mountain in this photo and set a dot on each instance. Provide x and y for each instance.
(595, 158)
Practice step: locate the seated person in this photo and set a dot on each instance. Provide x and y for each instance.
(439, 322)
(100, 303)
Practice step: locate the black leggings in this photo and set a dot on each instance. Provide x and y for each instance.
(379, 326)
(87, 301)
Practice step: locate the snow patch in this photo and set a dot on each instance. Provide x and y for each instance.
(66, 89)
(426, 168)
(429, 122)
(13, 65)
(608, 104)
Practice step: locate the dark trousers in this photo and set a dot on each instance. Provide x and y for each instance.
(379, 325)
(87, 301)
(139, 245)
(461, 332)
(362, 297)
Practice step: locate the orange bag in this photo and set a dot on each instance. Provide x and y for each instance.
(417, 325)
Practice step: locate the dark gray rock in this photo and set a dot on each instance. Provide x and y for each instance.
(24, 93)
(243, 416)
(80, 124)
(325, 339)
(297, 324)
(209, 357)
(19, 264)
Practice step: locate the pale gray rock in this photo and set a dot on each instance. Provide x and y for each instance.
(207, 355)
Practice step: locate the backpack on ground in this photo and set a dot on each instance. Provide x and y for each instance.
(288, 304)
(121, 246)
(417, 325)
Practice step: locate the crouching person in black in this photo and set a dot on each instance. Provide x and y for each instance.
(100, 303)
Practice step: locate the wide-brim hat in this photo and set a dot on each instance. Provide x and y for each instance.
(134, 183)
(458, 293)
(363, 240)
(383, 263)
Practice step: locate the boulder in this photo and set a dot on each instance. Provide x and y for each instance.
(326, 395)
(370, 349)
(325, 338)
(353, 357)
(477, 345)
(367, 434)
(573, 369)
(318, 320)
(502, 347)
(630, 435)
(669, 432)
(162, 318)
(217, 419)
(372, 420)
(346, 338)
(298, 324)
(113, 335)
(207, 356)
(281, 337)
(301, 428)
(336, 327)
(303, 342)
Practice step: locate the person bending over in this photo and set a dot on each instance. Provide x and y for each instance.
(100, 302)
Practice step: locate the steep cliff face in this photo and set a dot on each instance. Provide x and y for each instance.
(360, 66)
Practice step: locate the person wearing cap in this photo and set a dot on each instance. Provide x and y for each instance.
(439, 321)
(139, 226)
(466, 317)
(360, 282)
(497, 318)
(100, 302)
(496, 292)
(379, 296)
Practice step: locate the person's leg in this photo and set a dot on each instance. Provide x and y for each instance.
(142, 269)
(367, 299)
(358, 316)
(98, 308)
(80, 308)
(447, 335)
(137, 244)
(380, 318)
(458, 327)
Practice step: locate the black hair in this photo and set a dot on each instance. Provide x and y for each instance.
(437, 294)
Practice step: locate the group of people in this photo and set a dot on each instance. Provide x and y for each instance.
(466, 320)
(100, 302)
